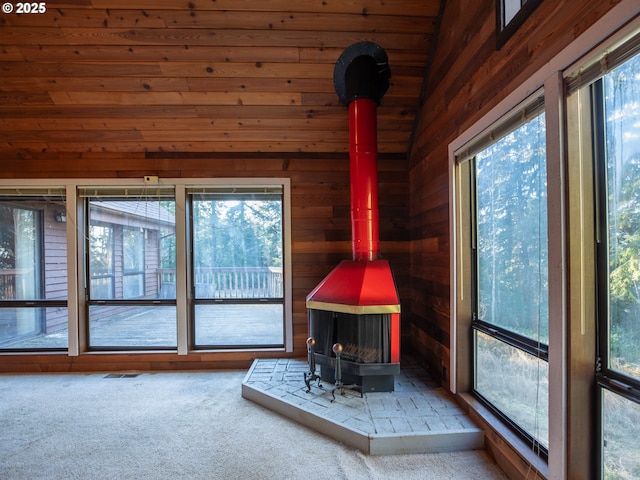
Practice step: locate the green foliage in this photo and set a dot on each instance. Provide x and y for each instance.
(230, 233)
(622, 125)
(512, 231)
(237, 233)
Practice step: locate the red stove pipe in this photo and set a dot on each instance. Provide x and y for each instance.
(361, 78)
(363, 157)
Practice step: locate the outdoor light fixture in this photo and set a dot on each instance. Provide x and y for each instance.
(61, 217)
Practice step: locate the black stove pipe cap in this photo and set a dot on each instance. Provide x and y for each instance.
(362, 71)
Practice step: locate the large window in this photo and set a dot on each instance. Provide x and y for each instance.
(127, 303)
(616, 107)
(510, 273)
(237, 267)
(545, 258)
(152, 266)
(33, 266)
(604, 106)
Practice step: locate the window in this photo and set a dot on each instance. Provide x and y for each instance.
(510, 14)
(237, 267)
(592, 398)
(617, 133)
(33, 266)
(508, 216)
(128, 303)
(608, 91)
(173, 266)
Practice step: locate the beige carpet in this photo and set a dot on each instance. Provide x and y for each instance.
(185, 426)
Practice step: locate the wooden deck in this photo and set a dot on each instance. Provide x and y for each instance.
(216, 325)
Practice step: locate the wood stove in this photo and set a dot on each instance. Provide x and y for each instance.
(354, 313)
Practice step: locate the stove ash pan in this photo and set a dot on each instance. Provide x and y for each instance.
(368, 358)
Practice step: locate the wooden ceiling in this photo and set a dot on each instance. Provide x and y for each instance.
(202, 77)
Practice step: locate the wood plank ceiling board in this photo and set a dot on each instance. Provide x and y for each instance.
(203, 76)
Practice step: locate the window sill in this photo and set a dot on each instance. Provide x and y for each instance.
(511, 453)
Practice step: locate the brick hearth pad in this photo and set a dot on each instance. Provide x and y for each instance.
(418, 417)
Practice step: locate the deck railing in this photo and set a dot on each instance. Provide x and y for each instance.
(231, 282)
(228, 282)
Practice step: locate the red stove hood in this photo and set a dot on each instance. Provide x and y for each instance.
(358, 287)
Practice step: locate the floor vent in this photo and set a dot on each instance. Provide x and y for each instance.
(122, 375)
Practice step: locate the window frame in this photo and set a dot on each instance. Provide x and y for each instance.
(606, 376)
(585, 97)
(76, 215)
(530, 346)
(571, 340)
(117, 242)
(518, 106)
(41, 303)
(504, 31)
(608, 379)
(228, 192)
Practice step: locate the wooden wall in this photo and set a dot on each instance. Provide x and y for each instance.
(321, 233)
(468, 77)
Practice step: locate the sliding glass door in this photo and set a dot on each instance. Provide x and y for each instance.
(237, 277)
(33, 263)
(130, 249)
